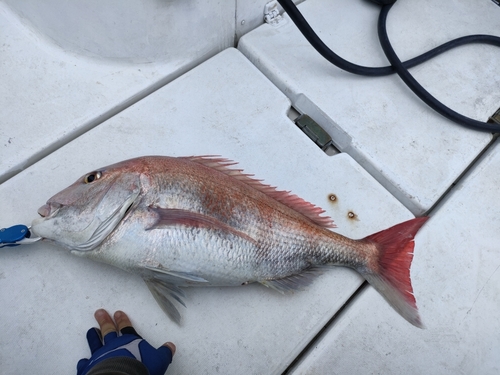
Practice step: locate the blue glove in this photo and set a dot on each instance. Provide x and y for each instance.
(130, 345)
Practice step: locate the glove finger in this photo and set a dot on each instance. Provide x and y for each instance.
(94, 339)
(130, 331)
(110, 337)
(166, 353)
(80, 366)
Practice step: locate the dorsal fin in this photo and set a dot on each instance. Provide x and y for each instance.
(292, 201)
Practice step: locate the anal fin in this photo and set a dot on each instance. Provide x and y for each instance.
(294, 282)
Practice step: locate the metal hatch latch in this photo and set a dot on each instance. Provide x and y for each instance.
(495, 117)
(315, 132)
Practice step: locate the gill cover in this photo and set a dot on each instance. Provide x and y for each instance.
(81, 216)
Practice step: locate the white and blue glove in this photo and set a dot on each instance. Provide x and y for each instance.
(125, 351)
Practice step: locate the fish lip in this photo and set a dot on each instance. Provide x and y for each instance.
(49, 210)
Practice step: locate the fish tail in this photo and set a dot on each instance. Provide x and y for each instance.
(389, 271)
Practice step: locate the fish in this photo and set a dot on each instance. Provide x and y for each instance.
(192, 221)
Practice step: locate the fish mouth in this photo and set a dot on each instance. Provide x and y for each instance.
(49, 210)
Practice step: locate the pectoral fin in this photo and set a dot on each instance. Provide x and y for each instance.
(175, 216)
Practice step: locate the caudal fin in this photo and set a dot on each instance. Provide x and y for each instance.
(390, 274)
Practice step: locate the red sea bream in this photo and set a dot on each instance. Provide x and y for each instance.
(195, 221)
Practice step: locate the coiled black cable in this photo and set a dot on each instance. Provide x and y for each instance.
(422, 93)
(401, 68)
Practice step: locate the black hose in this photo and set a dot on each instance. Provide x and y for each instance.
(323, 49)
(397, 66)
(417, 88)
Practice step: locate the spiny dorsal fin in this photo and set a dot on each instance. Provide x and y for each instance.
(290, 200)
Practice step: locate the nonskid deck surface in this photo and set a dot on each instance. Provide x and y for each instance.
(397, 159)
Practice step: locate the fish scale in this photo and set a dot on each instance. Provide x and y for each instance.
(196, 221)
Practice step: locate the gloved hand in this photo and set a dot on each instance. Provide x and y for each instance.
(119, 351)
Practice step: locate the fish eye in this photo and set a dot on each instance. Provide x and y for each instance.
(91, 177)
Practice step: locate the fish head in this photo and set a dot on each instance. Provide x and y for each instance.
(81, 216)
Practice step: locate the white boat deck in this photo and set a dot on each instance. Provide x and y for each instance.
(76, 101)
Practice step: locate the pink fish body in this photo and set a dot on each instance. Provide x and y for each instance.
(193, 221)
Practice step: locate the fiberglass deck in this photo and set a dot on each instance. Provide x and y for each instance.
(236, 104)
